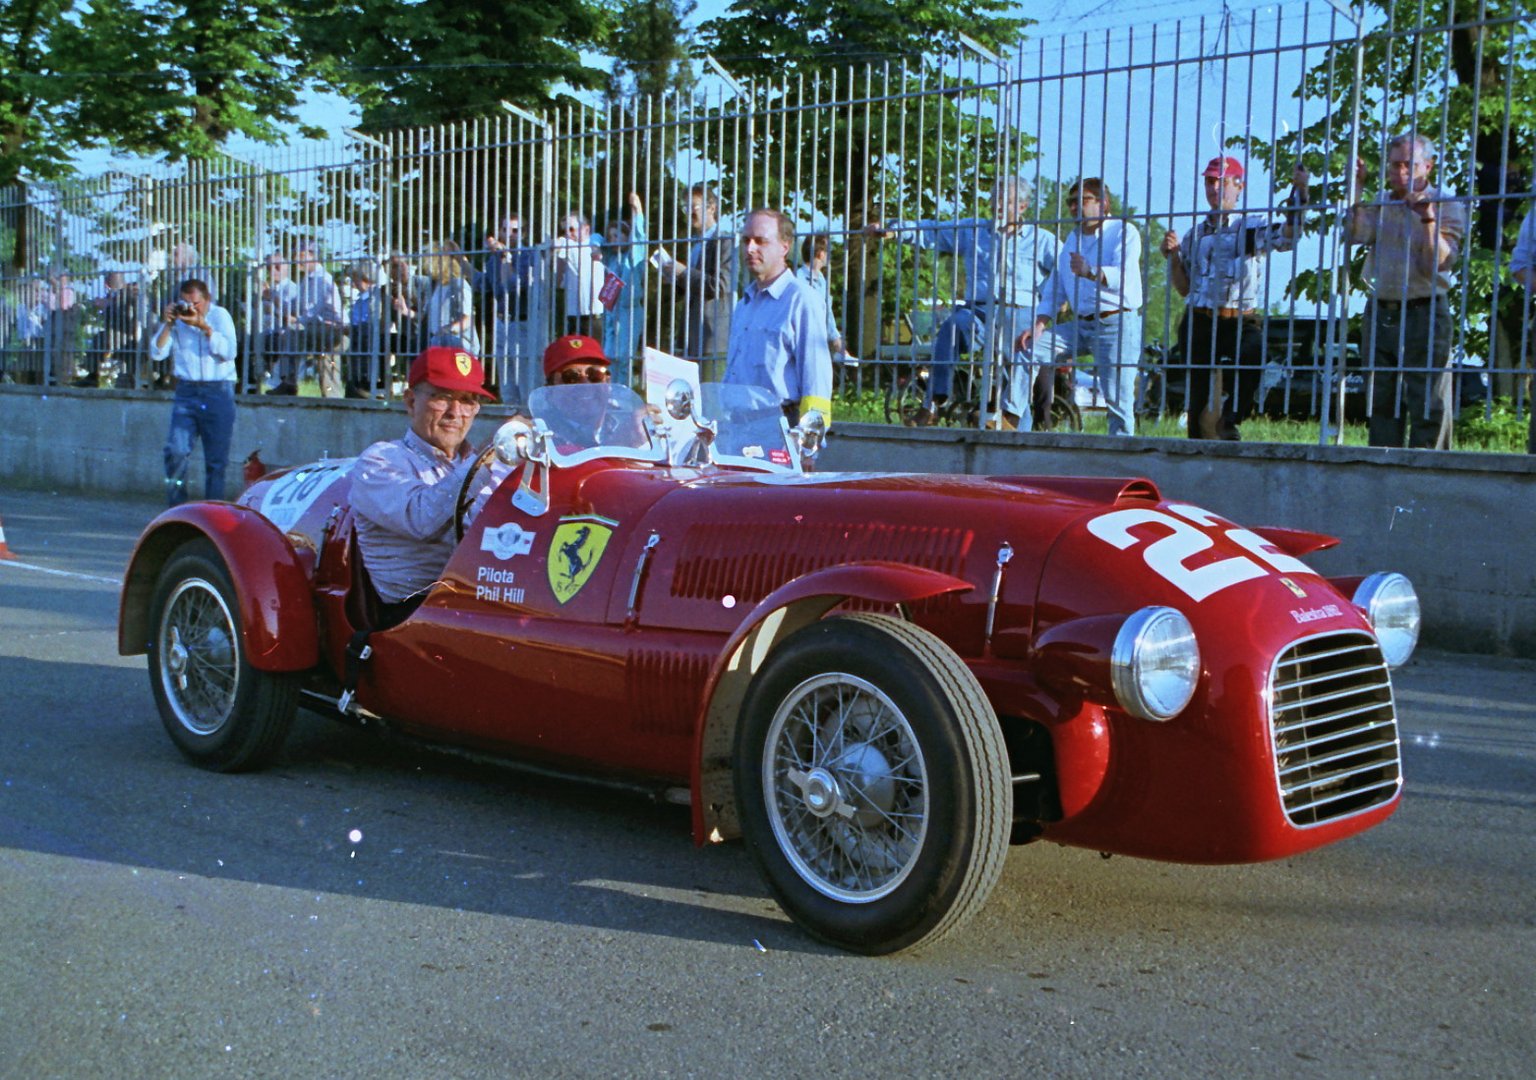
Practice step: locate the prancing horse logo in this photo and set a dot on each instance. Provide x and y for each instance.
(574, 551)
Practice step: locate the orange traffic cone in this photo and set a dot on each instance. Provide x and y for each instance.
(5, 552)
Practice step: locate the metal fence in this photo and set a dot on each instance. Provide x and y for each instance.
(339, 261)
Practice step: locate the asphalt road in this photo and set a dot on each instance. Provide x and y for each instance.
(365, 909)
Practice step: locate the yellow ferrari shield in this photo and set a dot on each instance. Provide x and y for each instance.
(463, 362)
(573, 553)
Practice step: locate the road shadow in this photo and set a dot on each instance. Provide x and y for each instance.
(94, 776)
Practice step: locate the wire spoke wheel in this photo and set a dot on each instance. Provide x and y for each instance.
(849, 791)
(200, 671)
(221, 712)
(872, 783)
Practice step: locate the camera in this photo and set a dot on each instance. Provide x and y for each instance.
(183, 309)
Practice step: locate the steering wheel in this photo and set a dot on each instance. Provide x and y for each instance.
(461, 507)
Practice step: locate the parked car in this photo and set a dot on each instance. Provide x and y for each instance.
(879, 681)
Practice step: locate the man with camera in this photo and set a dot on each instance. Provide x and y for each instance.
(199, 337)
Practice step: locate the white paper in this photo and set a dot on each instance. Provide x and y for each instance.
(660, 371)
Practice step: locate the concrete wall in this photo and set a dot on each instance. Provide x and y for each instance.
(1461, 526)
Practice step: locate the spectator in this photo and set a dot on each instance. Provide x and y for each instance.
(410, 295)
(509, 275)
(199, 338)
(186, 266)
(812, 272)
(278, 330)
(1221, 334)
(625, 260)
(323, 333)
(708, 278)
(1006, 259)
(63, 324)
(1414, 234)
(451, 308)
(405, 491)
(117, 312)
(367, 323)
(581, 269)
(1098, 275)
(31, 328)
(778, 331)
(1522, 267)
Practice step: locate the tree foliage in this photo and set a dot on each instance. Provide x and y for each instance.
(775, 37)
(1470, 87)
(452, 60)
(650, 45)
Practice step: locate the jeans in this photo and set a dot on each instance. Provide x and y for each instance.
(203, 410)
(964, 330)
(1114, 342)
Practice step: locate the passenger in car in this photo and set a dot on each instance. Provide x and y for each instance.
(405, 491)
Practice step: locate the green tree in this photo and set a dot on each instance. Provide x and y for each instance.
(650, 45)
(451, 60)
(149, 76)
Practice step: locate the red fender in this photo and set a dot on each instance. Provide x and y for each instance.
(792, 605)
(271, 579)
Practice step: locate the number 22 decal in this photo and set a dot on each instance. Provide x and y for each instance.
(1168, 556)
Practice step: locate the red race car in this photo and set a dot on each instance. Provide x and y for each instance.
(880, 681)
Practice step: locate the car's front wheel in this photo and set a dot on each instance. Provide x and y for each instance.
(873, 784)
(220, 712)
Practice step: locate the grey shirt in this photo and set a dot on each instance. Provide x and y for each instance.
(404, 492)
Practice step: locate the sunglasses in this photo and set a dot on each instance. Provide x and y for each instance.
(592, 374)
(443, 398)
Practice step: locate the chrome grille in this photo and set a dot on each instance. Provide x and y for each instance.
(1334, 728)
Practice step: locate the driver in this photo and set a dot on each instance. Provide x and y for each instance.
(405, 491)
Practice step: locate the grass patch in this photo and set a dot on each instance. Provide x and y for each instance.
(1500, 433)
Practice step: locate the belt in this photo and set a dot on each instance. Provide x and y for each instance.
(1103, 314)
(1223, 312)
(1418, 301)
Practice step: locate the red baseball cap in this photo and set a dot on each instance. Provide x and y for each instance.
(1224, 166)
(448, 368)
(567, 350)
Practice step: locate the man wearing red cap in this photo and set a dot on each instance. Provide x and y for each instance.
(404, 491)
(575, 358)
(1220, 266)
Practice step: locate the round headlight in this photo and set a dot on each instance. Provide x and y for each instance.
(1392, 607)
(1155, 663)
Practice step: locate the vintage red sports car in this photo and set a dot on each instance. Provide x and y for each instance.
(880, 681)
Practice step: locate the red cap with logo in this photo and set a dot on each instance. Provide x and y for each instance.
(1224, 166)
(448, 368)
(567, 350)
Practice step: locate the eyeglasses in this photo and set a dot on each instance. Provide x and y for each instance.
(591, 374)
(463, 398)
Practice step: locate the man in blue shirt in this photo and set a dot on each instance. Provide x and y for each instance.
(812, 270)
(199, 337)
(778, 331)
(1006, 260)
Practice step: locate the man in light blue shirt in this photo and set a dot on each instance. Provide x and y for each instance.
(1099, 278)
(1006, 261)
(199, 337)
(778, 332)
(812, 271)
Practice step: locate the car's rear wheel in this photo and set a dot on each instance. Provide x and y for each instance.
(220, 712)
(873, 784)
